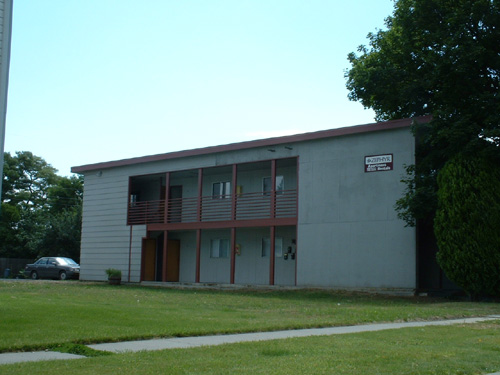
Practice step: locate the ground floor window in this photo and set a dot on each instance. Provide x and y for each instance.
(278, 247)
(219, 248)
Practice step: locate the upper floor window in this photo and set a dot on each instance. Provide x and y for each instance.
(279, 187)
(221, 190)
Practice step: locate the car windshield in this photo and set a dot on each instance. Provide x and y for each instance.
(67, 261)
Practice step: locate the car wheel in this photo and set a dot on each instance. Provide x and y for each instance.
(63, 275)
(34, 275)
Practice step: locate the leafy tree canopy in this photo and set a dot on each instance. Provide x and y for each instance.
(65, 193)
(439, 58)
(41, 211)
(27, 178)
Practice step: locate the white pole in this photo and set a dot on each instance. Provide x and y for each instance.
(6, 27)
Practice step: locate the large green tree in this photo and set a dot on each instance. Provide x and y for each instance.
(62, 237)
(41, 211)
(439, 58)
(27, 178)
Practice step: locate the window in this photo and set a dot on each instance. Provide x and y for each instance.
(219, 248)
(266, 185)
(221, 190)
(278, 247)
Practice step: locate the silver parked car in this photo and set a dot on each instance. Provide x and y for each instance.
(53, 268)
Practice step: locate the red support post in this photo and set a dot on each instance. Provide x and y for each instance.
(200, 194)
(128, 199)
(233, 191)
(273, 189)
(272, 255)
(165, 250)
(198, 256)
(167, 197)
(130, 252)
(233, 254)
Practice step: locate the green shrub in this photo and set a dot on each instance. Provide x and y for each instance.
(467, 224)
(113, 273)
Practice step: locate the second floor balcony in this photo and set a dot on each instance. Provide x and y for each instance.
(249, 206)
(251, 192)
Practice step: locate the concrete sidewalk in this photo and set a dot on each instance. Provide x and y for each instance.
(8, 358)
(193, 342)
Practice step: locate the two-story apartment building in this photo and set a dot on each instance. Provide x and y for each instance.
(313, 209)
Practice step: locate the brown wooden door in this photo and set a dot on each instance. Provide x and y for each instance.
(149, 249)
(173, 259)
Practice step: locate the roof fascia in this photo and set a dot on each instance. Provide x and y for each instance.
(377, 126)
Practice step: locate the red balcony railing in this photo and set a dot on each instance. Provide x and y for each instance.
(249, 206)
(149, 212)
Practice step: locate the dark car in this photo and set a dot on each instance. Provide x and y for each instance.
(53, 268)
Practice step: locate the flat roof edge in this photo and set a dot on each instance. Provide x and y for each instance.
(357, 129)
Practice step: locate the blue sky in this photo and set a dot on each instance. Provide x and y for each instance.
(101, 80)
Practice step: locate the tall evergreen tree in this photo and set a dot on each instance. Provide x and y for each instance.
(467, 224)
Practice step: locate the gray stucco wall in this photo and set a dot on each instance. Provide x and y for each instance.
(349, 234)
(348, 231)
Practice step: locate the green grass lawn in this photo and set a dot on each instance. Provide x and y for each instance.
(37, 315)
(460, 349)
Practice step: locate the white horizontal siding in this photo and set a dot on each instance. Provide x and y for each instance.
(105, 235)
(104, 214)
